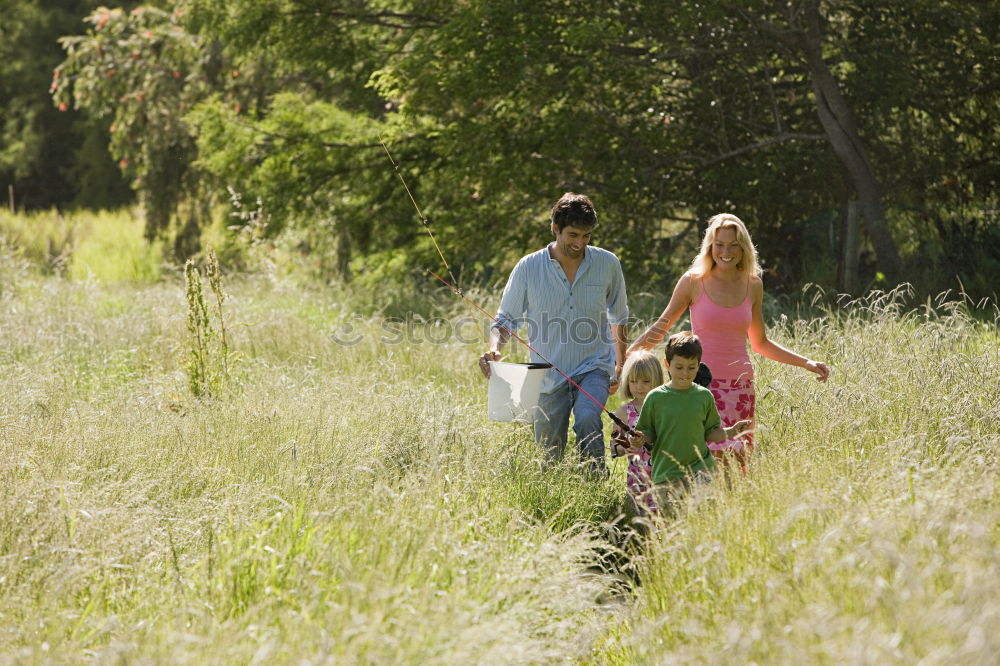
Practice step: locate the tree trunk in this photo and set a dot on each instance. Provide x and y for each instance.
(344, 254)
(841, 130)
(850, 244)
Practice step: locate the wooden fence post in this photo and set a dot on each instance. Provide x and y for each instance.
(850, 248)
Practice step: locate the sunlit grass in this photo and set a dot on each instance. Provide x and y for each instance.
(338, 503)
(350, 503)
(112, 249)
(867, 528)
(108, 246)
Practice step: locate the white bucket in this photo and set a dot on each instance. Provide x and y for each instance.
(514, 389)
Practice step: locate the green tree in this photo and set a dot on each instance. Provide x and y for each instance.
(139, 70)
(885, 80)
(935, 117)
(50, 158)
(311, 152)
(666, 113)
(775, 110)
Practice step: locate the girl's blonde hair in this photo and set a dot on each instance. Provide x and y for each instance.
(704, 263)
(641, 365)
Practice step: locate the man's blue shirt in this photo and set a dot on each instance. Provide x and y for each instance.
(568, 324)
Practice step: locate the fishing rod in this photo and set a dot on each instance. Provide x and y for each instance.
(458, 292)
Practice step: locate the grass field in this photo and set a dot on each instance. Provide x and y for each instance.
(350, 503)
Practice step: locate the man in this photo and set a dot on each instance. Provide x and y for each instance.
(572, 298)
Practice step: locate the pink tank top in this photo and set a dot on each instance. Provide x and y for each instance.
(723, 333)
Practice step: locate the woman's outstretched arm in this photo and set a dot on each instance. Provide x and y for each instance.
(761, 344)
(679, 302)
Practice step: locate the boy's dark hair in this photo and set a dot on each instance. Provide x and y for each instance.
(685, 344)
(575, 210)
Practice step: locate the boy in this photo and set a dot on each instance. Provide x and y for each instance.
(677, 419)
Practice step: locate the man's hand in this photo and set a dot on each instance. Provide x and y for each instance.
(484, 362)
(615, 381)
(612, 386)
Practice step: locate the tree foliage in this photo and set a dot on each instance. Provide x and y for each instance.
(757, 108)
(664, 112)
(49, 158)
(141, 71)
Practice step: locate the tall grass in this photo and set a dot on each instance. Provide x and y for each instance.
(346, 504)
(107, 246)
(350, 503)
(868, 526)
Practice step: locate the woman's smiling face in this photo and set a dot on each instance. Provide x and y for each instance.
(726, 250)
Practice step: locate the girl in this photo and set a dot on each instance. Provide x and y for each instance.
(641, 374)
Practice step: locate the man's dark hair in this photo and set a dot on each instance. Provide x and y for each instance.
(684, 344)
(575, 210)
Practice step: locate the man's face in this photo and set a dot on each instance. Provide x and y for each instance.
(571, 241)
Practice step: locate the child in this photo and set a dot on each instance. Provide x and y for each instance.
(677, 419)
(641, 374)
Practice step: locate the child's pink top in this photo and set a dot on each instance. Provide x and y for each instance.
(632, 414)
(723, 333)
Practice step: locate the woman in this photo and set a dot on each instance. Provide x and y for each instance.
(724, 292)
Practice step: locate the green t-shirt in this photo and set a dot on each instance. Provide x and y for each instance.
(677, 423)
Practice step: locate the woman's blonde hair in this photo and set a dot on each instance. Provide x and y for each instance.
(641, 364)
(704, 263)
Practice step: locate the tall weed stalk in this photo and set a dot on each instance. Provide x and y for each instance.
(208, 344)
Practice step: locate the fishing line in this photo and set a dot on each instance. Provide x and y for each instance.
(423, 220)
(458, 292)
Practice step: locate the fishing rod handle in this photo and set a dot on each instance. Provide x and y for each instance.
(621, 424)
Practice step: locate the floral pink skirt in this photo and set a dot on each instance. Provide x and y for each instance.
(640, 471)
(640, 481)
(735, 400)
